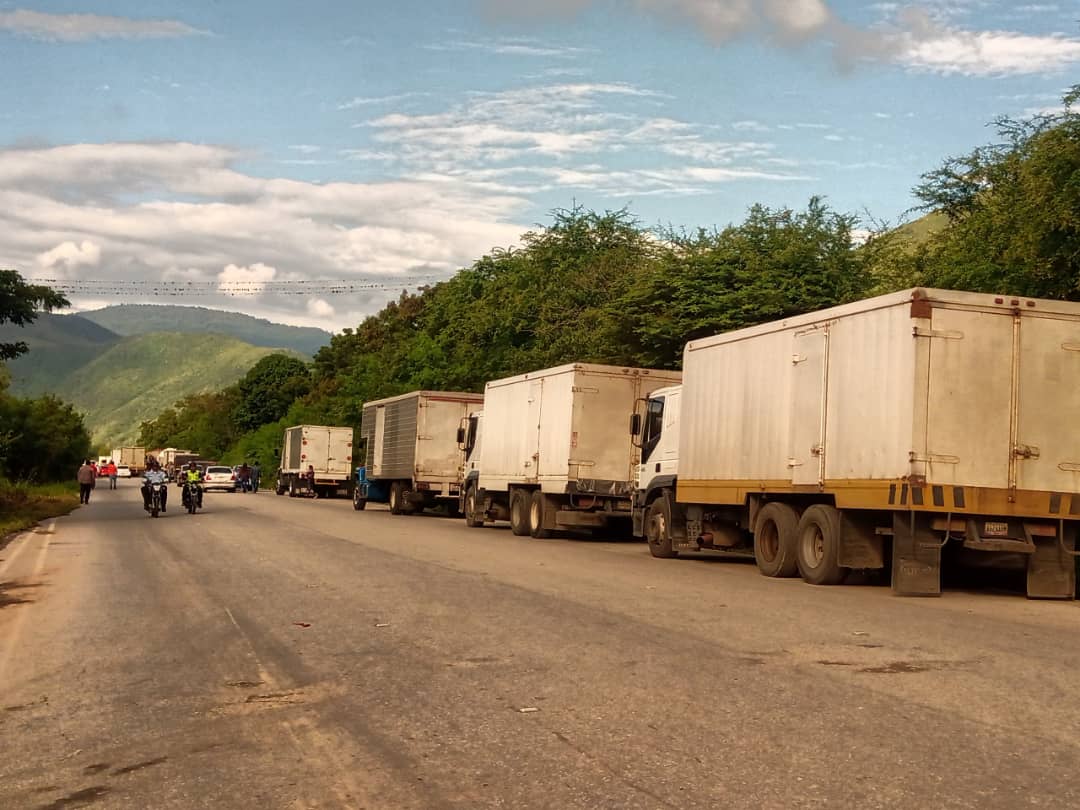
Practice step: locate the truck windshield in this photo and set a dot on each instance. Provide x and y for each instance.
(654, 426)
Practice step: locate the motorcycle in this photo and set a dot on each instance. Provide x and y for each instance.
(192, 497)
(155, 499)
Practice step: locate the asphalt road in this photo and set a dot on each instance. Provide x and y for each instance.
(279, 653)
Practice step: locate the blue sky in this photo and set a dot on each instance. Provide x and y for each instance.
(245, 146)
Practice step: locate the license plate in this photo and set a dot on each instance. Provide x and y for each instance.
(995, 529)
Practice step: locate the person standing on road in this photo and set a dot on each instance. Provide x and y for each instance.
(86, 477)
(256, 474)
(110, 470)
(309, 476)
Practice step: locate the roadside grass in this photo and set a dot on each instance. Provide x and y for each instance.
(23, 505)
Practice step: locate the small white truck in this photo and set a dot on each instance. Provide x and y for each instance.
(328, 451)
(875, 435)
(556, 453)
(412, 456)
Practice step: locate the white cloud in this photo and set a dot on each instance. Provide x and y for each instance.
(925, 35)
(367, 101)
(251, 280)
(990, 53)
(509, 46)
(320, 308)
(178, 211)
(750, 126)
(81, 27)
(305, 148)
(540, 135)
(68, 256)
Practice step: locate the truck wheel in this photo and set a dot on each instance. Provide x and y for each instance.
(396, 499)
(819, 546)
(280, 489)
(472, 520)
(519, 512)
(358, 503)
(775, 540)
(658, 530)
(538, 507)
(292, 487)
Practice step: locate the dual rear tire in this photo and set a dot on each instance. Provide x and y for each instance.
(787, 543)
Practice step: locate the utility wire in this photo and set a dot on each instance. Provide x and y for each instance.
(147, 287)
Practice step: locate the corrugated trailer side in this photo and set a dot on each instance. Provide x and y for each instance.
(412, 458)
(888, 429)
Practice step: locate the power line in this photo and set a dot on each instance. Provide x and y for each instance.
(239, 288)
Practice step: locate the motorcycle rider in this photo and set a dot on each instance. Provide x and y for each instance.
(154, 475)
(192, 481)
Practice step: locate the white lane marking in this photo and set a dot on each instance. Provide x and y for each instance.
(22, 541)
(20, 616)
(264, 674)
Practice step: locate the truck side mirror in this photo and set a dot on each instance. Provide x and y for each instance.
(277, 453)
(461, 435)
(635, 424)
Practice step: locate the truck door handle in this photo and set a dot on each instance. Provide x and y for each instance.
(658, 467)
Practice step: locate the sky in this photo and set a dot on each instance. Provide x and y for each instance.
(304, 162)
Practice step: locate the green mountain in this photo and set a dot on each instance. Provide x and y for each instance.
(140, 319)
(138, 377)
(920, 230)
(59, 344)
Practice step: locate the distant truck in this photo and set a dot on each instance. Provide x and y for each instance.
(876, 435)
(555, 451)
(412, 458)
(132, 457)
(178, 461)
(328, 450)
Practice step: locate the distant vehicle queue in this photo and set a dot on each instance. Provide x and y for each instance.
(888, 434)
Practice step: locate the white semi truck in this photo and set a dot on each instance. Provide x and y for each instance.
(555, 452)
(327, 450)
(879, 433)
(412, 456)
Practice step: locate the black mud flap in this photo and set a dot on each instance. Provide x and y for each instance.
(916, 557)
(1051, 571)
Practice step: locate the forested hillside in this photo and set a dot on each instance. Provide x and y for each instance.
(138, 377)
(139, 319)
(58, 345)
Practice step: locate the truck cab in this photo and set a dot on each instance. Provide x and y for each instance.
(469, 437)
(658, 437)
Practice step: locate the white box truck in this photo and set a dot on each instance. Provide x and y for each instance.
(412, 456)
(133, 457)
(555, 450)
(879, 433)
(328, 451)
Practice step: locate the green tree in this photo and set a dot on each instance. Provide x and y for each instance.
(45, 439)
(1013, 209)
(19, 303)
(775, 264)
(268, 389)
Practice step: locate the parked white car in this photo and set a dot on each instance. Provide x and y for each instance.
(219, 478)
(123, 471)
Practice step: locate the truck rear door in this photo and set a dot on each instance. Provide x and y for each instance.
(1046, 450)
(339, 460)
(970, 397)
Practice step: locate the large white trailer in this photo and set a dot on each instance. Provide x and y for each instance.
(872, 434)
(413, 459)
(555, 450)
(327, 450)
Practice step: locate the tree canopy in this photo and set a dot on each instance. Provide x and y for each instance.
(20, 303)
